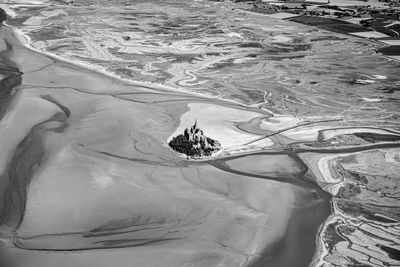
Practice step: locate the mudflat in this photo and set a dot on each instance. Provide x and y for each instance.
(88, 176)
(307, 119)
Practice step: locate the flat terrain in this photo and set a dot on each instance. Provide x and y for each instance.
(307, 119)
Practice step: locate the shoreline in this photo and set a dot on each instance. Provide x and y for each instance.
(150, 85)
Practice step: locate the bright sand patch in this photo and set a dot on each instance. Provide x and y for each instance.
(370, 34)
(218, 122)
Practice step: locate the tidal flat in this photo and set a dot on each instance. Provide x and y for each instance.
(308, 169)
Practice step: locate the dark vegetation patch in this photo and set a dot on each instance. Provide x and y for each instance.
(3, 15)
(392, 253)
(373, 138)
(391, 50)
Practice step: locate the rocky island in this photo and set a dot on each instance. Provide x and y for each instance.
(194, 143)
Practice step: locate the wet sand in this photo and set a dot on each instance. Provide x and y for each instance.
(88, 178)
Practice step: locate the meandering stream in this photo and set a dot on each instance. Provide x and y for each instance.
(307, 174)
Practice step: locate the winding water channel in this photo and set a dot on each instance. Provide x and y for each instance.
(308, 170)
